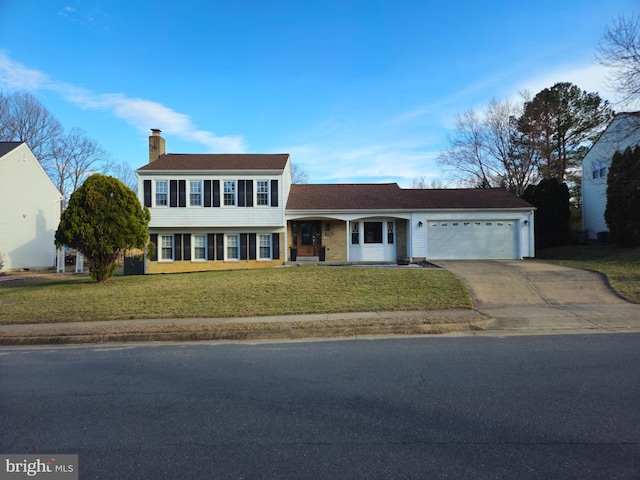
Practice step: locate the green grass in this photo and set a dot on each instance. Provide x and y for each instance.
(264, 292)
(620, 265)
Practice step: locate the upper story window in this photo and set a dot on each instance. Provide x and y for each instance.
(599, 170)
(262, 195)
(195, 193)
(162, 193)
(229, 192)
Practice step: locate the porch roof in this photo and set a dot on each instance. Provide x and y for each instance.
(389, 196)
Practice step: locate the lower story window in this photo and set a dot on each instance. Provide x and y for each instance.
(372, 232)
(355, 233)
(199, 247)
(233, 247)
(264, 242)
(166, 250)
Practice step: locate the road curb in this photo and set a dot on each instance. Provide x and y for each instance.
(231, 334)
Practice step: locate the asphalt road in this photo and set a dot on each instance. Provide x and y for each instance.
(544, 407)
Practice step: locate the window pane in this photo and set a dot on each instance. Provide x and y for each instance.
(265, 246)
(263, 193)
(167, 247)
(232, 247)
(200, 247)
(372, 232)
(162, 190)
(390, 233)
(229, 192)
(355, 233)
(195, 195)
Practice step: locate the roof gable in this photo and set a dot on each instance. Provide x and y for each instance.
(6, 147)
(217, 162)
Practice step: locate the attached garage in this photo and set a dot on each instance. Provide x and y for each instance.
(472, 239)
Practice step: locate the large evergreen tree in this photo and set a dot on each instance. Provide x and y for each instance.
(553, 212)
(103, 219)
(623, 198)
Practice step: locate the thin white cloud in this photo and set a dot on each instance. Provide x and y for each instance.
(140, 113)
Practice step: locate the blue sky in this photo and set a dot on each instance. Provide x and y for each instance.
(355, 91)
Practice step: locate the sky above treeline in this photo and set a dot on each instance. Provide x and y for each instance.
(356, 91)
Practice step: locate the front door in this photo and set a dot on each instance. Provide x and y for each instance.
(307, 242)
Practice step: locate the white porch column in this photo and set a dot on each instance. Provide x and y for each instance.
(79, 261)
(348, 238)
(60, 260)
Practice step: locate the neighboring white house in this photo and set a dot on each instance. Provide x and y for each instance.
(29, 210)
(622, 132)
(226, 211)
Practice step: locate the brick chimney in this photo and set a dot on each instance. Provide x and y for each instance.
(156, 145)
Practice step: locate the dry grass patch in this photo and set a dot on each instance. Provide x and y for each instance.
(265, 292)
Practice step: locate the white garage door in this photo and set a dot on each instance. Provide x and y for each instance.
(450, 240)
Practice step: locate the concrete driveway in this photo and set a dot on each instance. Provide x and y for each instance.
(531, 294)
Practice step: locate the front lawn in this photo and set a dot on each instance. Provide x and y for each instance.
(620, 265)
(239, 293)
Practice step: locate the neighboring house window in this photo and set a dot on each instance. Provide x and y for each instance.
(599, 170)
(355, 233)
(390, 233)
(199, 247)
(372, 232)
(262, 197)
(195, 193)
(265, 246)
(166, 249)
(162, 193)
(233, 247)
(230, 192)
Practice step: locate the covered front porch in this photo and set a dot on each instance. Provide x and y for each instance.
(350, 240)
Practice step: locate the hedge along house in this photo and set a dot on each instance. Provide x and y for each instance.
(227, 211)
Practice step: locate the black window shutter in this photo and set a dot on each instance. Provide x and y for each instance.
(154, 239)
(274, 193)
(219, 246)
(173, 193)
(186, 246)
(243, 246)
(177, 246)
(207, 193)
(252, 246)
(182, 193)
(147, 193)
(249, 193)
(216, 193)
(211, 246)
(241, 193)
(275, 246)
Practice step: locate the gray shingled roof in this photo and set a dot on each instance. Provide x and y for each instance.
(391, 196)
(241, 161)
(6, 147)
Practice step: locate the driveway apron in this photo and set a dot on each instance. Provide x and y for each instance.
(530, 294)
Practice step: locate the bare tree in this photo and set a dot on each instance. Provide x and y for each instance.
(422, 184)
(124, 173)
(298, 175)
(75, 157)
(485, 151)
(24, 119)
(619, 50)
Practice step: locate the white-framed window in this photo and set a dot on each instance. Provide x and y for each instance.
(598, 170)
(372, 232)
(264, 246)
(162, 193)
(166, 247)
(195, 193)
(355, 233)
(390, 232)
(233, 247)
(229, 192)
(262, 192)
(199, 247)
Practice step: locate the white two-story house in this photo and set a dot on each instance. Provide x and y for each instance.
(211, 211)
(226, 211)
